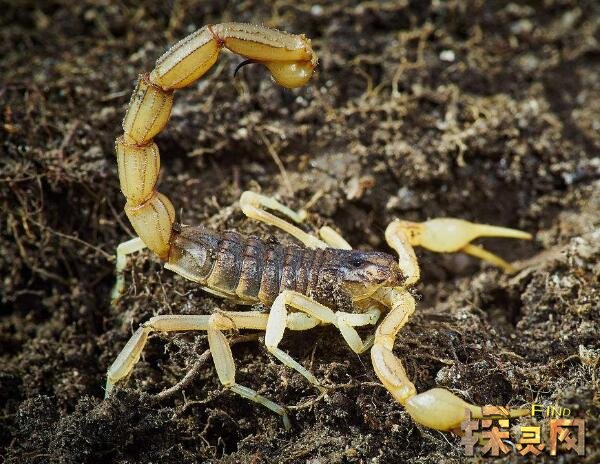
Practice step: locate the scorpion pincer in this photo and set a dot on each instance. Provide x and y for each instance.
(324, 282)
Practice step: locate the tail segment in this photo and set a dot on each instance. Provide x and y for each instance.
(289, 58)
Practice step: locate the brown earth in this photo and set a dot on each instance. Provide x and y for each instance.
(488, 111)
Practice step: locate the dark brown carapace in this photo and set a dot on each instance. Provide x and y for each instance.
(250, 270)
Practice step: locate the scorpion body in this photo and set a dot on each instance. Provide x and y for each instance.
(251, 270)
(324, 283)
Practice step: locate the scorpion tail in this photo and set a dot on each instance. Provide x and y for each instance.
(290, 59)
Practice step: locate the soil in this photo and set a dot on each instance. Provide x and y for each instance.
(487, 111)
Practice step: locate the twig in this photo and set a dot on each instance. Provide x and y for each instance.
(73, 238)
(195, 370)
(275, 156)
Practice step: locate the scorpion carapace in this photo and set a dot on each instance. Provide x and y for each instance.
(325, 283)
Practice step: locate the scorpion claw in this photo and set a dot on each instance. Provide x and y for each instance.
(439, 409)
(448, 235)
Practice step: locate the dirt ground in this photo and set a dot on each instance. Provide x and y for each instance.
(488, 111)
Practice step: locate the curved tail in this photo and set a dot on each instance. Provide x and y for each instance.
(289, 58)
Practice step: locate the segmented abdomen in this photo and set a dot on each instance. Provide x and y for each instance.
(242, 267)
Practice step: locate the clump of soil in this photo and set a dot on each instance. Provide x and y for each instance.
(486, 111)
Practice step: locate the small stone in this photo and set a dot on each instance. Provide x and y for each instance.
(316, 10)
(447, 55)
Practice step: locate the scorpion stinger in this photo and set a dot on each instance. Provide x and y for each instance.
(324, 282)
(241, 65)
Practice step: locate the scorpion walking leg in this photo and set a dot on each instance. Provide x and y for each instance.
(277, 323)
(333, 238)
(346, 323)
(124, 249)
(253, 205)
(447, 235)
(279, 320)
(301, 321)
(221, 352)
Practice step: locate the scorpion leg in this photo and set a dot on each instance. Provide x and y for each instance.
(277, 323)
(124, 249)
(301, 321)
(279, 320)
(346, 323)
(333, 238)
(221, 352)
(447, 235)
(253, 205)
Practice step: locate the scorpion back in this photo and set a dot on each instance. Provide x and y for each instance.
(251, 270)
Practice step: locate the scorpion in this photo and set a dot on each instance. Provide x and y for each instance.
(323, 282)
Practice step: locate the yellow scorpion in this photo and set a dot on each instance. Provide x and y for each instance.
(324, 282)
